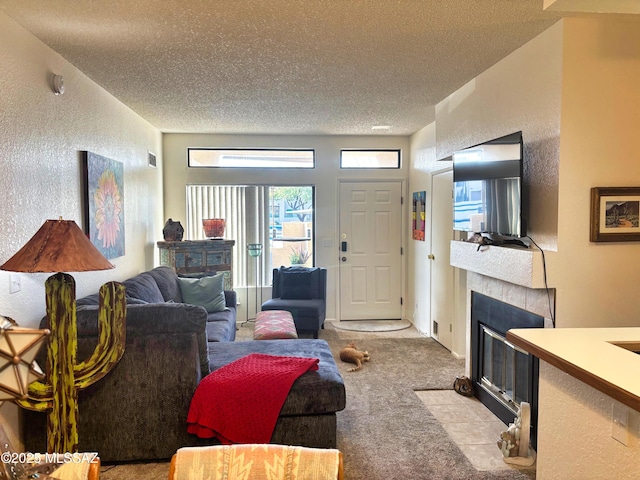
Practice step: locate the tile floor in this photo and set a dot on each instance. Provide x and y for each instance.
(470, 424)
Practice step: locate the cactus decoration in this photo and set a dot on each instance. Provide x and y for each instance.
(58, 394)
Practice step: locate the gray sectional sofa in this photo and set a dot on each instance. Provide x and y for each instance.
(139, 410)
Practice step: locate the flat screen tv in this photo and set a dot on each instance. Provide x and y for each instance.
(488, 188)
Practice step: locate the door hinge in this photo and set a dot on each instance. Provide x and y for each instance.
(401, 251)
(450, 327)
(400, 300)
(401, 200)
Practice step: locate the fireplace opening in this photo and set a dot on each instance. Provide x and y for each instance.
(503, 375)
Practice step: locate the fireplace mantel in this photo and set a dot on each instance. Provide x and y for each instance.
(516, 265)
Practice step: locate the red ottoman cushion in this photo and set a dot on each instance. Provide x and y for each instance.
(274, 325)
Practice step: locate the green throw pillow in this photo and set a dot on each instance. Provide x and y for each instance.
(207, 292)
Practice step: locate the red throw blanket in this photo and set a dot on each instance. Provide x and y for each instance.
(240, 402)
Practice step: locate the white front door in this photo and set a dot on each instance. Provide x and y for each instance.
(442, 273)
(370, 250)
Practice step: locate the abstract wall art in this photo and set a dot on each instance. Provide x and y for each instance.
(418, 215)
(104, 204)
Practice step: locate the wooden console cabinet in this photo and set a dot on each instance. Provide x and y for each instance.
(199, 256)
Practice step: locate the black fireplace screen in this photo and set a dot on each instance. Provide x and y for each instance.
(503, 375)
(505, 369)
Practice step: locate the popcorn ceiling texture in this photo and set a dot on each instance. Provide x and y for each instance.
(283, 67)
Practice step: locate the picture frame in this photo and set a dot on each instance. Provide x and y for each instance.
(615, 214)
(104, 204)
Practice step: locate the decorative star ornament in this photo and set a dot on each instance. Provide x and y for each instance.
(18, 349)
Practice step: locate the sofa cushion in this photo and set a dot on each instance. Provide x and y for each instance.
(167, 282)
(221, 326)
(297, 308)
(93, 299)
(206, 292)
(144, 287)
(299, 283)
(313, 393)
(135, 301)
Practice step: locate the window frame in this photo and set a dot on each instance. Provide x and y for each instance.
(363, 150)
(253, 149)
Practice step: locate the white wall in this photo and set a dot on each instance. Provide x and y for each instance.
(40, 144)
(325, 177)
(521, 92)
(573, 92)
(575, 432)
(422, 163)
(599, 147)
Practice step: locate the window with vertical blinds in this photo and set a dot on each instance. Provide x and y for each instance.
(243, 209)
(280, 218)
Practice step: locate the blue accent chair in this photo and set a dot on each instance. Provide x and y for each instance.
(301, 291)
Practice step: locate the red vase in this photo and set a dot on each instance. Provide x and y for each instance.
(213, 227)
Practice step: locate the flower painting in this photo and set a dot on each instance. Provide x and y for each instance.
(105, 204)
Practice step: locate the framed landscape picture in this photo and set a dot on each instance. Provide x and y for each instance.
(615, 214)
(104, 204)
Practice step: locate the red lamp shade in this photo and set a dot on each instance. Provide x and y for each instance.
(59, 246)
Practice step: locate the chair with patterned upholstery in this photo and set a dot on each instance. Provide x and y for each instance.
(278, 462)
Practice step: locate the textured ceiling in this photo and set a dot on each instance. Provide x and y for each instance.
(282, 67)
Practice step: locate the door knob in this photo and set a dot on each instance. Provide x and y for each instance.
(431, 256)
(344, 259)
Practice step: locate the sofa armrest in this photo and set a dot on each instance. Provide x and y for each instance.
(230, 298)
(153, 319)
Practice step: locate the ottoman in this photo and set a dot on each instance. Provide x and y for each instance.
(274, 325)
(308, 416)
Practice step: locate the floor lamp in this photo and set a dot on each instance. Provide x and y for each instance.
(60, 246)
(254, 250)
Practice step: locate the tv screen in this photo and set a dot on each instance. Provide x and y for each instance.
(487, 196)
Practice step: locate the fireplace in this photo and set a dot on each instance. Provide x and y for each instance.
(503, 375)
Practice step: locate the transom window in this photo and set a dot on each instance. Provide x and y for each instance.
(250, 158)
(369, 158)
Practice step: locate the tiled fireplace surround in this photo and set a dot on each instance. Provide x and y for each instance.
(511, 275)
(533, 300)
